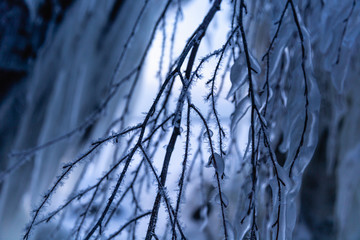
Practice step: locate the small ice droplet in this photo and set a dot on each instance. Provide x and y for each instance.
(207, 134)
(218, 163)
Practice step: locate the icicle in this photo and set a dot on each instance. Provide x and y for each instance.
(230, 231)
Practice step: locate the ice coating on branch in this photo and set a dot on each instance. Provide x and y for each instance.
(225, 199)
(238, 75)
(239, 72)
(241, 109)
(277, 58)
(291, 119)
(254, 64)
(218, 163)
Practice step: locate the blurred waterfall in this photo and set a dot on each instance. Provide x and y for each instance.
(65, 84)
